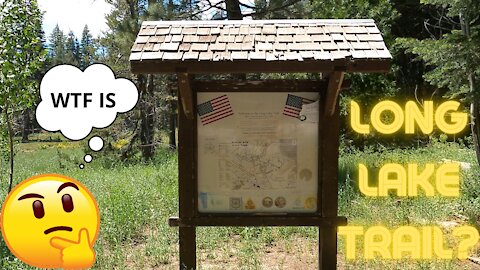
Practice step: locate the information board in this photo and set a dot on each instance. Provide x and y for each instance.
(257, 152)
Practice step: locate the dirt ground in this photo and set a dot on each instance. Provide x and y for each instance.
(296, 253)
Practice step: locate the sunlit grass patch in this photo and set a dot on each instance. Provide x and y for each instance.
(136, 200)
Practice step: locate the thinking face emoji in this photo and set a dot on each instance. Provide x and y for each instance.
(51, 221)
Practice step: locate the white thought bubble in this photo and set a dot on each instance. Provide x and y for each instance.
(95, 143)
(74, 101)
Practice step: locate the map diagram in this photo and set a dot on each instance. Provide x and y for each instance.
(261, 164)
(259, 159)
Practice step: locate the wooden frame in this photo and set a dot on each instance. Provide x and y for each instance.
(148, 59)
(325, 218)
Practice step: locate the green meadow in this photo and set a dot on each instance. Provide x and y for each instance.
(136, 200)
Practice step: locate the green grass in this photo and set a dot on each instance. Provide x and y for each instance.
(393, 211)
(136, 200)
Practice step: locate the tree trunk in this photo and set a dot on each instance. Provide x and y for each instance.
(26, 125)
(475, 116)
(235, 13)
(172, 139)
(147, 108)
(10, 147)
(126, 152)
(233, 10)
(475, 104)
(172, 115)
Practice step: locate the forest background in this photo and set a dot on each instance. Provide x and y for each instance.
(435, 47)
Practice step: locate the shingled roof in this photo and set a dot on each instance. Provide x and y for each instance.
(259, 46)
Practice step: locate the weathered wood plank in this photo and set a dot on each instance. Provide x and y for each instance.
(186, 95)
(186, 176)
(260, 86)
(335, 81)
(267, 220)
(329, 187)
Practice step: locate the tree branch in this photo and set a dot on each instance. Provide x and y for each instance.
(247, 6)
(267, 10)
(258, 11)
(210, 6)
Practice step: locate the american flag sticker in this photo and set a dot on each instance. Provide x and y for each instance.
(214, 110)
(293, 106)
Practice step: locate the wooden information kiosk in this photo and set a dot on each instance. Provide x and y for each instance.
(263, 152)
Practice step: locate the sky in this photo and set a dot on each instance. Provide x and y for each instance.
(73, 15)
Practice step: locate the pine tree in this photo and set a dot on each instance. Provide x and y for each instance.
(57, 51)
(87, 51)
(72, 48)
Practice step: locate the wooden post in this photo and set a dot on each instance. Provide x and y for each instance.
(186, 95)
(329, 174)
(335, 80)
(188, 248)
(186, 175)
(327, 248)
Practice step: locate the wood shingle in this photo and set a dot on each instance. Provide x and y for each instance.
(177, 43)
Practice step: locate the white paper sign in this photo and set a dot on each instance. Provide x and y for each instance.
(256, 153)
